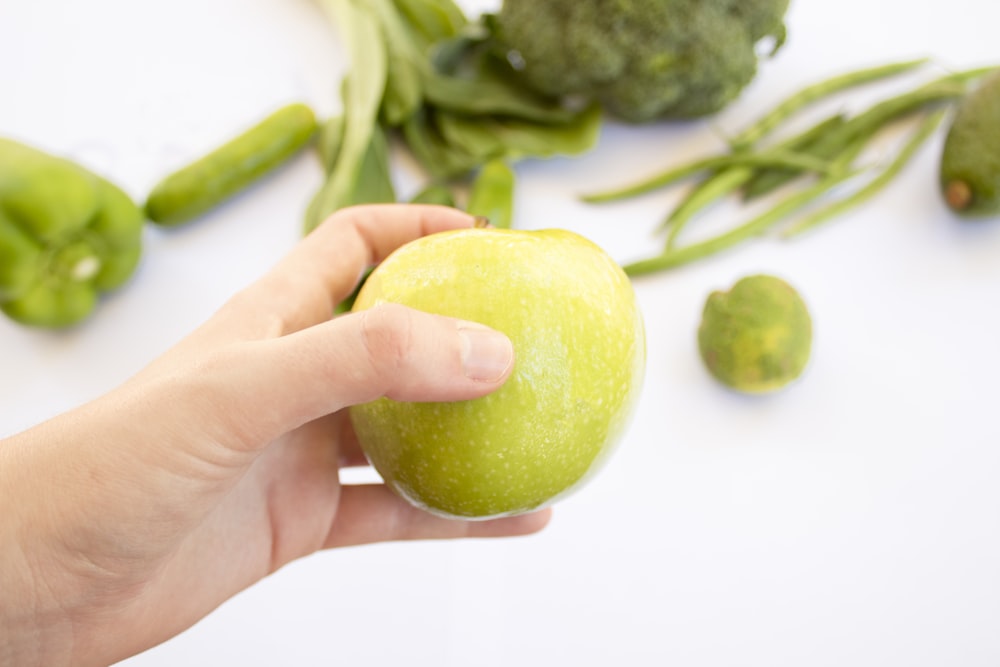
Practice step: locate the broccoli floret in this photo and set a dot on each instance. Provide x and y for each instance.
(643, 59)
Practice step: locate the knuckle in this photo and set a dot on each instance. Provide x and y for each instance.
(387, 335)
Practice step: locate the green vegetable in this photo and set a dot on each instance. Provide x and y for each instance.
(222, 173)
(730, 179)
(492, 195)
(768, 158)
(675, 257)
(372, 185)
(876, 184)
(66, 236)
(727, 181)
(815, 92)
(361, 94)
(434, 19)
(486, 95)
(970, 160)
(862, 127)
(425, 76)
(827, 150)
(329, 141)
(757, 337)
(435, 193)
(643, 59)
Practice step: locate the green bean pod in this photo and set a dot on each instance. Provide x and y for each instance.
(232, 167)
(876, 184)
(815, 92)
(866, 124)
(687, 254)
(492, 195)
(726, 181)
(767, 158)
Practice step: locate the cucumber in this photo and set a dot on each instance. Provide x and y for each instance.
(970, 160)
(232, 167)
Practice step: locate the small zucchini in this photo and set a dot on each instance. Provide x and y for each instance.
(233, 166)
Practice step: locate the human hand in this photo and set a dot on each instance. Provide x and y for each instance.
(128, 519)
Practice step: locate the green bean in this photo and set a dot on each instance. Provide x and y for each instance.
(864, 125)
(840, 172)
(839, 149)
(673, 258)
(492, 195)
(727, 181)
(815, 92)
(713, 188)
(875, 185)
(772, 157)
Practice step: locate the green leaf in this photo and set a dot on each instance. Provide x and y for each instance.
(433, 19)
(527, 139)
(403, 90)
(362, 95)
(473, 136)
(435, 193)
(442, 160)
(373, 184)
(491, 96)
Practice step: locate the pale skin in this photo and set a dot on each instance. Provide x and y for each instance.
(130, 518)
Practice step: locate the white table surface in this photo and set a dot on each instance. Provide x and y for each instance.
(851, 520)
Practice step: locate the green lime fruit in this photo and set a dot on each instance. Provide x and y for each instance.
(757, 337)
(579, 347)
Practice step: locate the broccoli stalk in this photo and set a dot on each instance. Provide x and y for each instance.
(642, 59)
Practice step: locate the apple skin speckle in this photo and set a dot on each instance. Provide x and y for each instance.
(580, 354)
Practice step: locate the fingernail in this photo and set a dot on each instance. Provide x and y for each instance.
(486, 354)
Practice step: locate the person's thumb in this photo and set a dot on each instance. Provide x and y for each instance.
(389, 350)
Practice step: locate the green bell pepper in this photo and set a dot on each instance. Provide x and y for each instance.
(66, 236)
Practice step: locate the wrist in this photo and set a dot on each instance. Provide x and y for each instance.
(54, 606)
(34, 628)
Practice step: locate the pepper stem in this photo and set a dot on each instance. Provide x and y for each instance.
(77, 262)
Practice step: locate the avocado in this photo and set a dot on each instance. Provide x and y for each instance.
(970, 161)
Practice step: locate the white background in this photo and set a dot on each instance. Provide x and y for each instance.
(853, 519)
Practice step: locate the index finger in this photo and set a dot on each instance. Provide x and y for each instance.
(323, 269)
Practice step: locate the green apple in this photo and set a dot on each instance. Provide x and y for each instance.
(580, 353)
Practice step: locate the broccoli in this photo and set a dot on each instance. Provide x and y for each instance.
(642, 59)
